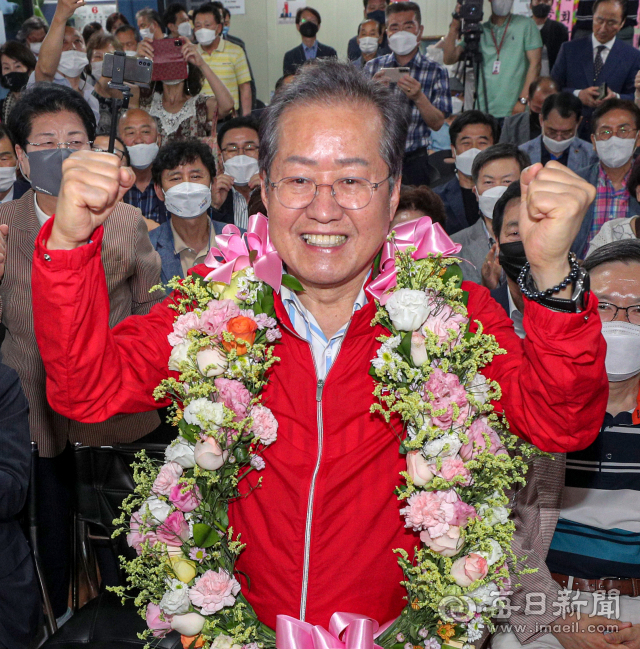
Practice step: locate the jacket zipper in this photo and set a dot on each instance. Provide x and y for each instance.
(320, 383)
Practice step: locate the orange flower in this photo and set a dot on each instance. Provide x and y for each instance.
(187, 641)
(242, 328)
(446, 632)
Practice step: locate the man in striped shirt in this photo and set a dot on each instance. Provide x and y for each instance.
(595, 548)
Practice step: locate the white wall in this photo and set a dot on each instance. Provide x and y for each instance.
(267, 41)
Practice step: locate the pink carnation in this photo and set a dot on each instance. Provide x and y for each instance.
(186, 501)
(213, 591)
(264, 321)
(234, 395)
(175, 529)
(273, 335)
(135, 538)
(446, 390)
(463, 513)
(182, 326)
(441, 320)
(430, 510)
(452, 467)
(265, 425)
(477, 442)
(214, 320)
(159, 625)
(167, 478)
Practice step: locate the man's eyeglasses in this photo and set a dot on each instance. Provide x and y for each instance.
(297, 193)
(624, 132)
(247, 148)
(75, 145)
(609, 312)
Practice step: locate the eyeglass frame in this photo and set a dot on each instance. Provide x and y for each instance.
(372, 188)
(615, 133)
(242, 148)
(619, 308)
(59, 145)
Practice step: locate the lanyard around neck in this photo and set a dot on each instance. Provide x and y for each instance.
(495, 42)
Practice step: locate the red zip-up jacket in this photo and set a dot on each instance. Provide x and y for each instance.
(321, 529)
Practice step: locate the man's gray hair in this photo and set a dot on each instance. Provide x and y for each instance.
(626, 250)
(328, 82)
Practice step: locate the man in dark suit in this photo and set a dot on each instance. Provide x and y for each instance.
(553, 34)
(308, 23)
(19, 597)
(584, 65)
(471, 132)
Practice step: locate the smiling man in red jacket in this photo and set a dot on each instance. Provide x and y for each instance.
(321, 530)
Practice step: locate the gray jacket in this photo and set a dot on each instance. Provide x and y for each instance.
(516, 129)
(475, 246)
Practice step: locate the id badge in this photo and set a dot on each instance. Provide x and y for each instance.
(496, 67)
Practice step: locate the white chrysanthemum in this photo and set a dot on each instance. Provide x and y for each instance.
(444, 446)
(204, 413)
(493, 515)
(474, 630)
(176, 600)
(484, 596)
(479, 388)
(408, 309)
(495, 554)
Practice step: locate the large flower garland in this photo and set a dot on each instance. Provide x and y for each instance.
(427, 373)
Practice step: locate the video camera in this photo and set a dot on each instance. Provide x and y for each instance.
(471, 15)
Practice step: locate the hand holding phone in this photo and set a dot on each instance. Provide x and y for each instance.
(394, 74)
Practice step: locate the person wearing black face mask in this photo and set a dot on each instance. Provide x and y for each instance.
(308, 23)
(373, 10)
(511, 256)
(17, 62)
(553, 34)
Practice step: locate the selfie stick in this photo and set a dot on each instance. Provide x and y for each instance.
(117, 83)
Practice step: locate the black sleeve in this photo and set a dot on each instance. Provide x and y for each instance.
(15, 448)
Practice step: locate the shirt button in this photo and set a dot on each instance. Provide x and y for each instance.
(47, 257)
(586, 318)
(608, 456)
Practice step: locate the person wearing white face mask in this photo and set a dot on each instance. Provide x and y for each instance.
(183, 173)
(139, 131)
(8, 167)
(32, 33)
(240, 145)
(470, 132)
(559, 120)
(63, 56)
(151, 28)
(98, 45)
(177, 21)
(440, 139)
(425, 88)
(370, 33)
(615, 124)
(590, 496)
(493, 170)
(511, 49)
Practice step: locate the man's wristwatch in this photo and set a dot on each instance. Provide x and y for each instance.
(523, 101)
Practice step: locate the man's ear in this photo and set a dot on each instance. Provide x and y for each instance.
(159, 192)
(23, 160)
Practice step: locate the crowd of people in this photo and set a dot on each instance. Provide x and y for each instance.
(204, 152)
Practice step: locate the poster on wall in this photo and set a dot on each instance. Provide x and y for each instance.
(287, 10)
(235, 7)
(93, 13)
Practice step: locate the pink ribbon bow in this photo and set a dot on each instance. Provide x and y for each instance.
(427, 237)
(346, 631)
(254, 248)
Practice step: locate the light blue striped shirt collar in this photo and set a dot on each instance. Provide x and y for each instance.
(306, 326)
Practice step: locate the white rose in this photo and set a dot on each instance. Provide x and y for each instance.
(209, 455)
(408, 309)
(214, 358)
(204, 410)
(493, 515)
(436, 447)
(479, 388)
(496, 552)
(189, 624)
(178, 354)
(157, 508)
(224, 642)
(176, 600)
(180, 451)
